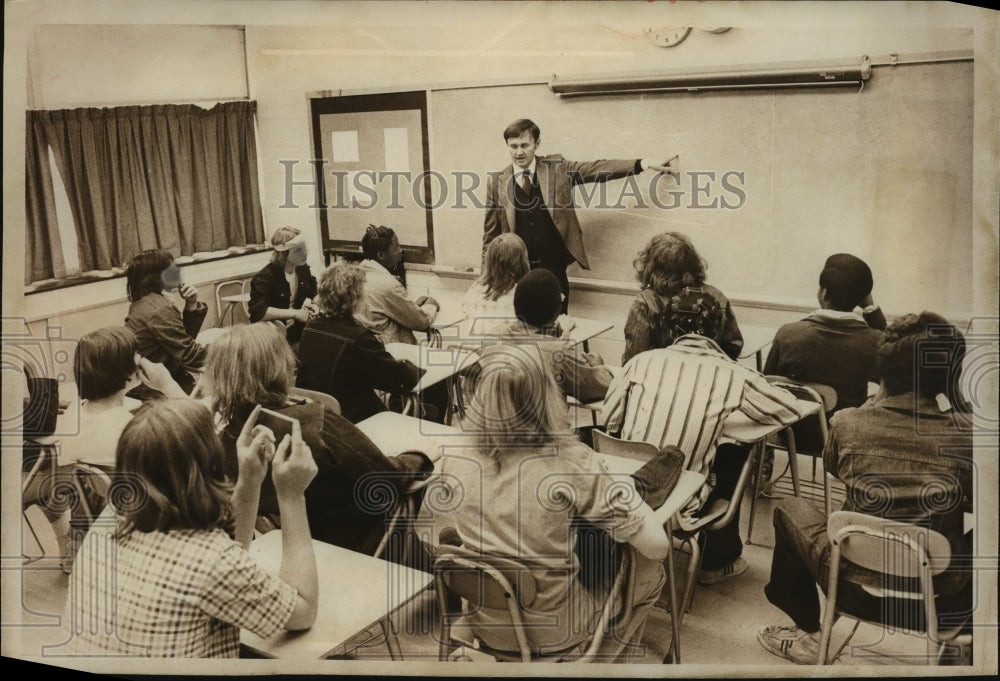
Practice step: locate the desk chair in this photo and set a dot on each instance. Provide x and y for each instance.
(502, 583)
(92, 484)
(813, 392)
(229, 294)
(327, 400)
(906, 555)
(39, 458)
(629, 449)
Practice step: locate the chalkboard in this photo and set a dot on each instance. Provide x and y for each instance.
(784, 178)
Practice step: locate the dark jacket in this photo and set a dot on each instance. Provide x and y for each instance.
(839, 352)
(167, 336)
(642, 331)
(342, 358)
(269, 288)
(348, 500)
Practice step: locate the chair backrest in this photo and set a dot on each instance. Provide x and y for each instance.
(811, 433)
(909, 555)
(229, 288)
(92, 483)
(38, 463)
(499, 582)
(629, 449)
(328, 401)
(890, 547)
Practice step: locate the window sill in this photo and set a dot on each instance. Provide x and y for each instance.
(46, 285)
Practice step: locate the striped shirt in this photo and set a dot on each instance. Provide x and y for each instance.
(682, 395)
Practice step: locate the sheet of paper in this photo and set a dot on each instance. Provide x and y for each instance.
(345, 146)
(397, 150)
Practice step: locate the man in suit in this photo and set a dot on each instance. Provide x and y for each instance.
(533, 197)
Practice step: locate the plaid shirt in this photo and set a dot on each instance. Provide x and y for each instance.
(183, 593)
(682, 395)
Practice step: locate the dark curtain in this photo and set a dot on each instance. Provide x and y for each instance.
(173, 176)
(42, 242)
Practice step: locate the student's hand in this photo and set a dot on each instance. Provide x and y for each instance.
(565, 324)
(157, 377)
(190, 295)
(670, 166)
(311, 307)
(293, 467)
(430, 310)
(301, 315)
(254, 449)
(867, 301)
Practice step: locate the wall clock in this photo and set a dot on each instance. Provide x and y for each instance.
(668, 37)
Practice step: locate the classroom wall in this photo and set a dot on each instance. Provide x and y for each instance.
(849, 201)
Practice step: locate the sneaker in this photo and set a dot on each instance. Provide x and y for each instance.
(734, 569)
(790, 643)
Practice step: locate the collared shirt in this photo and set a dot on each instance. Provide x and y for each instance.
(822, 313)
(388, 309)
(682, 395)
(519, 171)
(182, 593)
(525, 508)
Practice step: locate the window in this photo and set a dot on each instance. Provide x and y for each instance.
(131, 178)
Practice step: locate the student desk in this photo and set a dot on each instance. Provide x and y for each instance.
(355, 592)
(585, 329)
(755, 339)
(393, 433)
(440, 364)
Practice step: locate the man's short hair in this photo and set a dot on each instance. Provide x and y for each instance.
(521, 126)
(847, 280)
(538, 298)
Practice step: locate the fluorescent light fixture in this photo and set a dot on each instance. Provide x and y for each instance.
(759, 78)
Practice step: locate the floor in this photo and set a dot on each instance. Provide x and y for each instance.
(719, 631)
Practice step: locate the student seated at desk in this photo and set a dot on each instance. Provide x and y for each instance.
(517, 492)
(834, 345)
(537, 302)
(488, 305)
(253, 364)
(165, 335)
(909, 429)
(283, 290)
(341, 357)
(104, 368)
(388, 309)
(681, 396)
(183, 583)
(674, 299)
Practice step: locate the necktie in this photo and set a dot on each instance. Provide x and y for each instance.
(526, 180)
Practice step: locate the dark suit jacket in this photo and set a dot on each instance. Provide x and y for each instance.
(556, 178)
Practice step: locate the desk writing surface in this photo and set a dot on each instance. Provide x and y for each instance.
(439, 363)
(393, 433)
(739, 427)
(755, 338)
(355, 592)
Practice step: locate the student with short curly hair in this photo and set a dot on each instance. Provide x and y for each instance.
(342, 357)
(184, 584)
(674, 299)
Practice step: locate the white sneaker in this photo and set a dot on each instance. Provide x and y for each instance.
(790, 643)
(734, 569)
